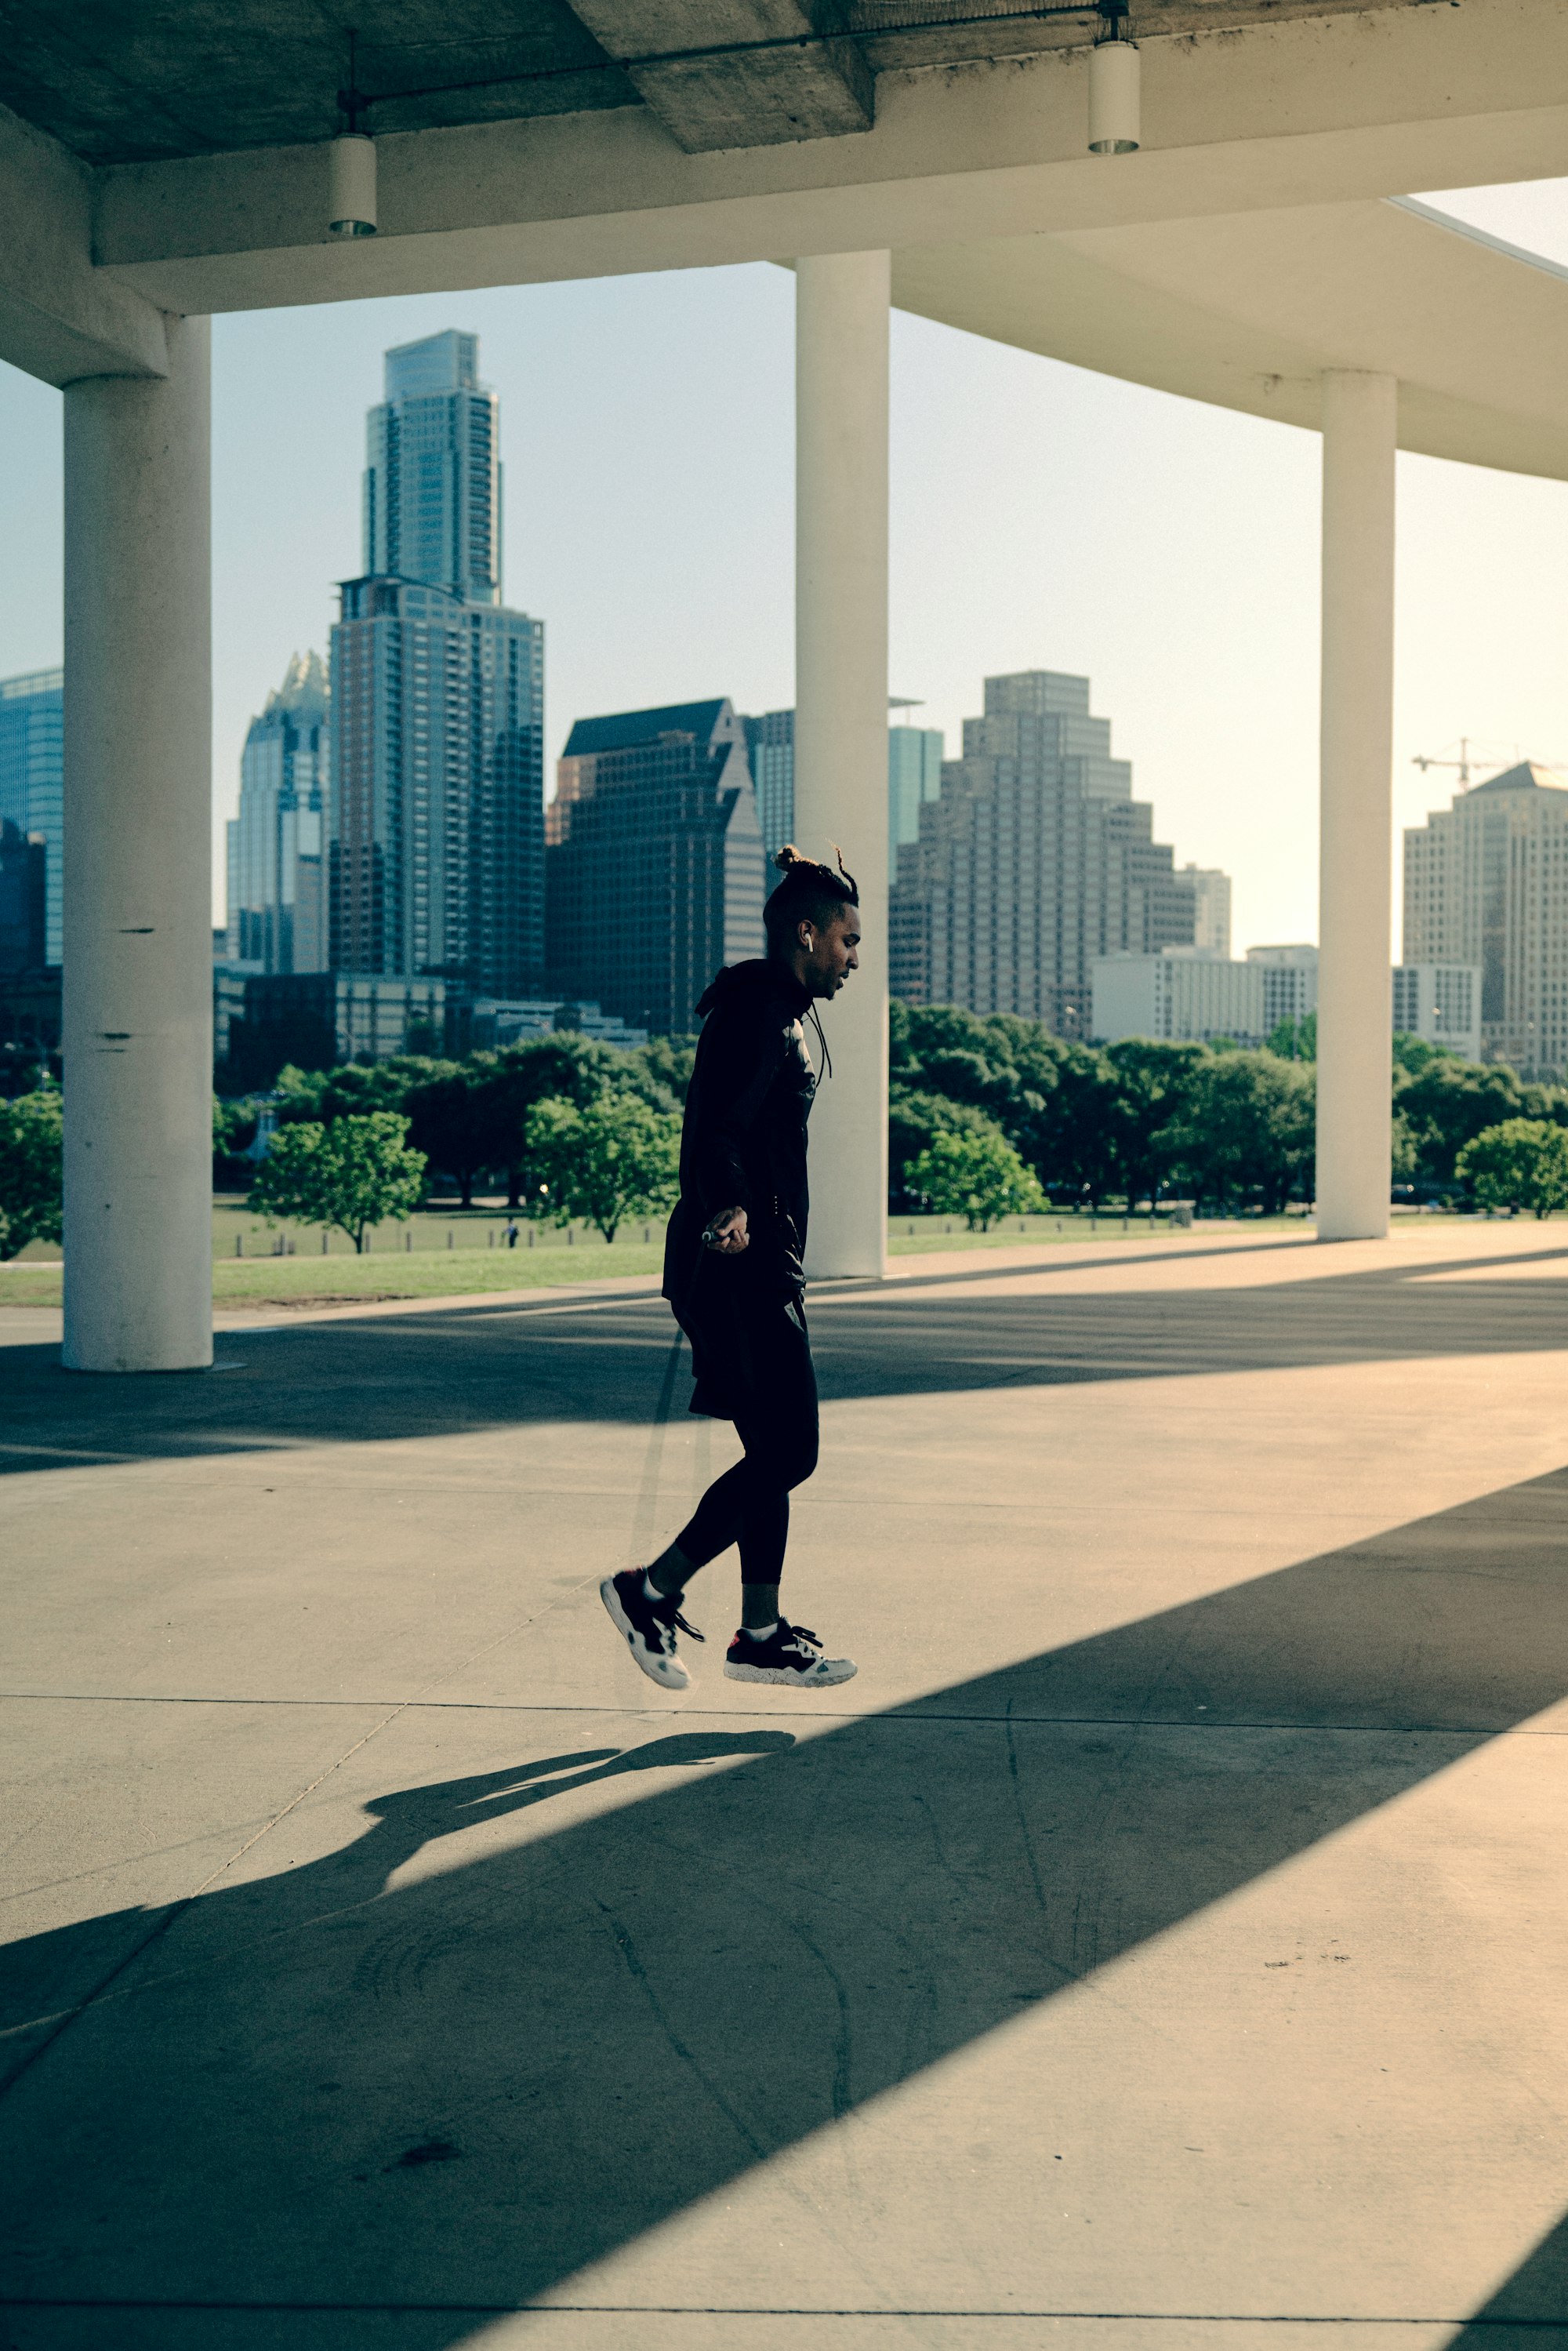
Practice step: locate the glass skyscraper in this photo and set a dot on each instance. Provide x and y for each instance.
(437, 860)
(437, 865)
(433, 472)
(276, 897)
(32, 779)
(656, 860)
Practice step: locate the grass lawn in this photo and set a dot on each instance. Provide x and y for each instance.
(458, 1254)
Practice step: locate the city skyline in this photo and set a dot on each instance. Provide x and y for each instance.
(1039, 515)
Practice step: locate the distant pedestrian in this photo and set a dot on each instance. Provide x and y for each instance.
(511, 1232)
(734, 1275)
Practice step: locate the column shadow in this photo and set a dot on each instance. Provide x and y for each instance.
(320, 2093)
(385, 1378)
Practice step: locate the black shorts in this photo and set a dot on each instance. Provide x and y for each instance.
(751, 1351)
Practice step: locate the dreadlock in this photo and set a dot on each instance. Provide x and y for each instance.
(808, 892)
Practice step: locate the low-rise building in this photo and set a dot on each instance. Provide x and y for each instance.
(1183, 995)
(1289, 982)
(1441, 1002)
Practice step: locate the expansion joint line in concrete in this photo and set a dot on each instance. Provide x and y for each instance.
(798, 1713)
(787, 2310)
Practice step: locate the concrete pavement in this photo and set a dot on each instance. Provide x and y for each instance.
(1160, 1945)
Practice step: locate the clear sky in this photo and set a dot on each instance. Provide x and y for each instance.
(1042, 517)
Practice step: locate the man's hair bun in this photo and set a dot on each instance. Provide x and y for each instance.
(809, 891)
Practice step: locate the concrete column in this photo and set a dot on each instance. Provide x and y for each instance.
(1355, 1038)
(138, 869)
(840, 718)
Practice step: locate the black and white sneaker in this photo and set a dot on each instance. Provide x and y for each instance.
(650, 1627)
(789, 1654)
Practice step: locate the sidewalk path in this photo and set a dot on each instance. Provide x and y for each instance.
(1161, 1945)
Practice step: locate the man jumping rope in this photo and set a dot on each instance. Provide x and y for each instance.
(734, 1275)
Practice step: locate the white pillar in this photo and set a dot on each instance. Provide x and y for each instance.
(138, 1022)
(840, 718)
(1356, 818)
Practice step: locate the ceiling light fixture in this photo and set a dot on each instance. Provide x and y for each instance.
(1115, 125)
(351, 204)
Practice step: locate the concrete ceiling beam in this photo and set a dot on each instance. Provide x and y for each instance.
(1289, 113)
(810, 86)
(60, 318)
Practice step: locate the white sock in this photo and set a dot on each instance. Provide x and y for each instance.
(651, 1590)
(760, 1632)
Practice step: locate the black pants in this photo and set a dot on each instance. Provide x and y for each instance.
(753, 1362)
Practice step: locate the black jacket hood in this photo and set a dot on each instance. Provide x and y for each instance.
(760, 976)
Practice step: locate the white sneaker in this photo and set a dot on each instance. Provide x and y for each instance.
(650, 1627)
(789, 1654)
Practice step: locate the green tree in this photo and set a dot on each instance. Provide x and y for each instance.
(1294, 1041)
(352, 1174)
(914, 1120)
(1521, 1163)
(355, 1088)
(31, 1161)
(976, 1177)
(1153, 1084)
(448, 1123)
(1248, 1127)
(562, 1065)
(616, 1158)
(1448, 1102)
(1080, 1130)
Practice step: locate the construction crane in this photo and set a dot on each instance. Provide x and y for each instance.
(1466, 760)
(1483, 756)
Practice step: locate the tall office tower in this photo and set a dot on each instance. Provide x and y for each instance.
(1211, 907)
(433, 472)
(655, 863)
(1034, 861)
(914, 776)
(1486, 884)
(32, 780)
(277, 894)
(1289, 982)
(437, 846)
(437, 849)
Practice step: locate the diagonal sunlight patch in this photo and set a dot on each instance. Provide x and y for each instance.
(593, 2022)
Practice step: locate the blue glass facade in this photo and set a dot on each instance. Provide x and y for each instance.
(433, 472)
(32, 779)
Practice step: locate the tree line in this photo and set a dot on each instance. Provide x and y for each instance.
(989, 1115)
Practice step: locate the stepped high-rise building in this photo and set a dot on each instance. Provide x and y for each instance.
(32, 781)
(437, 830)
(1486, 885)
(277, 892)
(433, 471)
(1034, 861)
(656, 860)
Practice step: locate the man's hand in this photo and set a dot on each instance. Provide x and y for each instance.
(726, 1233)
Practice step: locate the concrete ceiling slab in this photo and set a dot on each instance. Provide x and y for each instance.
(127, 81)
(1247, 312)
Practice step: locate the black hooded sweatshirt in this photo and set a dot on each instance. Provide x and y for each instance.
(743, 1145)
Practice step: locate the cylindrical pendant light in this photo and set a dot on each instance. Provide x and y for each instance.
(351, 164)
(351, 206)
(1115, 124)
